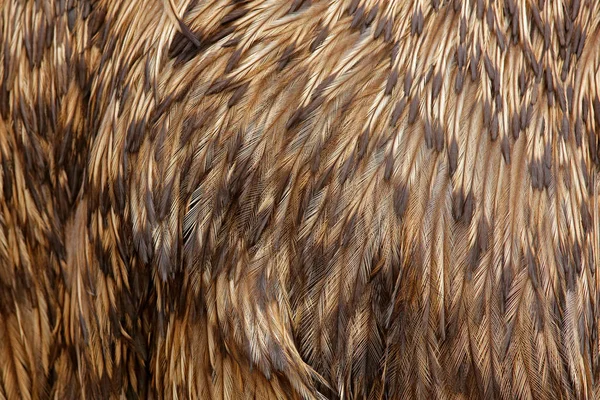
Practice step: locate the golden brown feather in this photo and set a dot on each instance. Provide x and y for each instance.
(222, 199)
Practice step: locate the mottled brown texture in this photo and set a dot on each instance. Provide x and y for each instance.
(219, 199)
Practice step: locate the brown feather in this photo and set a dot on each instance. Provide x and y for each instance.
(381, 199)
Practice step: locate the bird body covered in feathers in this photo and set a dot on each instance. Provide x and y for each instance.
(266, 199)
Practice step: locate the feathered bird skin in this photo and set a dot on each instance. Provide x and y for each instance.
(268, 199)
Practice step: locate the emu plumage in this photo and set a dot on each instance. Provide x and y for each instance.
(219, 199)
